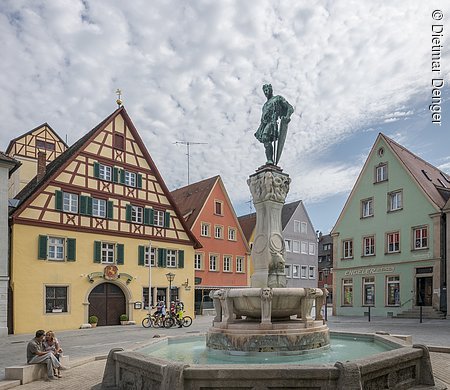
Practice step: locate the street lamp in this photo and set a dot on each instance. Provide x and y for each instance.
(170, 277)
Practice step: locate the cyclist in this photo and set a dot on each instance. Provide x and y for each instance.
(179, 306)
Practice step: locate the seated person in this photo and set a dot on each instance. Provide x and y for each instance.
(36, 354)
(51, 344)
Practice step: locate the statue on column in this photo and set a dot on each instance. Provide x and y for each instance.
(276, 114)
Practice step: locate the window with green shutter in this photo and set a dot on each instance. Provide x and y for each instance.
(96, 170)
(97, 252)
(180, 259)
(120, 254)
(58, 200)
(110, 210)
(141, 255)
(71, 249)
(42, 247)
(162, 255)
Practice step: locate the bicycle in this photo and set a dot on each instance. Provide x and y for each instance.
(153, 320)
(172, 319)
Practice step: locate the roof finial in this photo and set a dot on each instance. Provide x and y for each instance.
(119, 101)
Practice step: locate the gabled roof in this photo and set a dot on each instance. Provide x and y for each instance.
(428, 178)
(11, 143)
(54, 167)
(190, 199)
(13, 163)
(248, 223)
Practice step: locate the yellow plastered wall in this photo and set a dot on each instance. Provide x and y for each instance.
(30, 276)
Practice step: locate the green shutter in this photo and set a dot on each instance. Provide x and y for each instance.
(89, 205)
(96, 170)
(122, 176)
(120, 254)
(42, 248)
(167, 219)
(162, 257)
(141, 255)
(139, 180)
(115, 175)
(58, 200)
(110, 209)
(97, 252)
(180, 259)
(71, 249)
(83, 205)
(148, 216)
(128, 213)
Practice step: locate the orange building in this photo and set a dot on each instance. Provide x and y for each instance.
(224, 259)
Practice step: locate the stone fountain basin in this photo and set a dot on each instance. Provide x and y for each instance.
(286, 302)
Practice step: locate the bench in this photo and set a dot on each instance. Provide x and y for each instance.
(30, 372)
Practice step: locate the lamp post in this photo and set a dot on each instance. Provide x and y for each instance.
(170, 277)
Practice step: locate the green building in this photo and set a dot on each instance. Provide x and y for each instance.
(389, 242)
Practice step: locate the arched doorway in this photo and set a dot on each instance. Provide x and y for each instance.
(107, 302)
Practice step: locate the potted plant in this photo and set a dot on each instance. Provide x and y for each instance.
(124, 319)
(93, 321)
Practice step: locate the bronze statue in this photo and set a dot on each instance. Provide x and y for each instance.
(270, 130)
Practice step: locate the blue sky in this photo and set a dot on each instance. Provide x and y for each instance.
(193, 71)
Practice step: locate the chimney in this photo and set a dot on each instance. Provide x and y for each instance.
(41, 165)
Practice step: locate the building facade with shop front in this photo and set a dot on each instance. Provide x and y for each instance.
(389, 242)
(85, 230)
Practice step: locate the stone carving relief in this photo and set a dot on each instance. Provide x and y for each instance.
(270, 186)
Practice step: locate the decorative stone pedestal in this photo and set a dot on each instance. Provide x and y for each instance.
(269, 187)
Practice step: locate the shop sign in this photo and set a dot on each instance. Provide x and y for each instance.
(369, 271)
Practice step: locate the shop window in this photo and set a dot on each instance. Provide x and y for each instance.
(347, 292)
(393, 290)
(56, 299)
(369, 291)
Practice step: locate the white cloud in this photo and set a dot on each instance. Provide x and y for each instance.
(192, 71)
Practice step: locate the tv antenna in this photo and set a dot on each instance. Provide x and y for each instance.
(250, 204)
(188, 145)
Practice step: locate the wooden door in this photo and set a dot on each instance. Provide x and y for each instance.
(107, 302)
(424, 291)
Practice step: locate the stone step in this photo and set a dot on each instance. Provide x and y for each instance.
(9, 384)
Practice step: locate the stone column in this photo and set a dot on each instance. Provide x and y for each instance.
(269, 187)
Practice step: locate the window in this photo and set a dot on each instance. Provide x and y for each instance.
(393, 242)
(288, 245)
(240, 264)
(303, 272)
(40, 144)
(296, 246)
(288, 270)
(198, 261)
(297, 226)
(367, 208)
(231, 234)
(312, 272)
(130, 179)
(369, 246)
(119, 141)
(381, 173)
(326, 247)
(304, 248)
(104, 172)
(296, 271)
(227, 264)
(304, 228)
(99, 208)
(152, 256)
(56, 248)
(204, 230)
(393, 290)
(420, 236)
(158, 218)
(213, 262)
(218, 207)
(107, 252)
(347, 292)
(171, 258)
(70, 202)
(137, 214)
(145, 297)
(395, 200)
(312, 248)
(218, 231)
(56, 299)
(347, 246)
(369, 291)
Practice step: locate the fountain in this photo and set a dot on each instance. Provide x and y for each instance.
(268, 320)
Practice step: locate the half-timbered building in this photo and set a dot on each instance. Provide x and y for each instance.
(86, 229)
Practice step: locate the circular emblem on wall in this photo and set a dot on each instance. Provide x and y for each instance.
(111, 272)
(260, 243)
(276, 242)
(380, 152)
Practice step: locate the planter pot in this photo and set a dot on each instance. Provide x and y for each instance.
(93, 325)
(124, 322)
